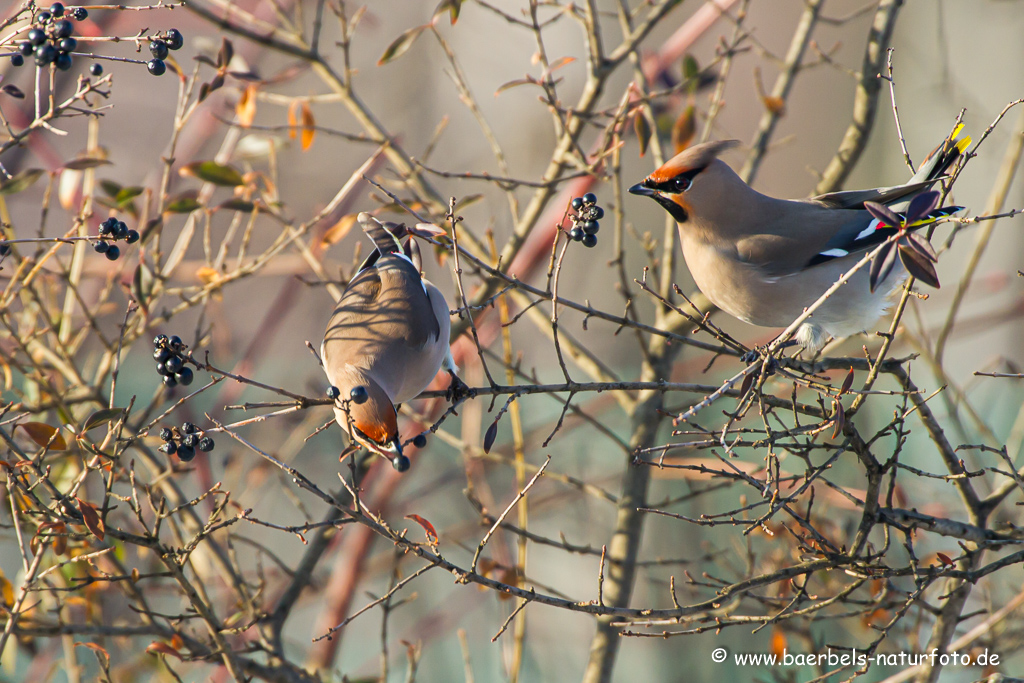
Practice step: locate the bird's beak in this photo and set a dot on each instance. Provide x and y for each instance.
(427, 230)
(642, 190)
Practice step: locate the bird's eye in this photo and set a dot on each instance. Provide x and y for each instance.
(681, 184)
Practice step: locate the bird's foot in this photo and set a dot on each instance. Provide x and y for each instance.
(457, 389)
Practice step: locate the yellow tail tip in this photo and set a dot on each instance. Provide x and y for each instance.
(961, 145)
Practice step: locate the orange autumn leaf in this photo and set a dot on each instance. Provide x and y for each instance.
(432, 538)
(245, 110)
(43, 433)
(778, 643)
(207, 275)
(308, 126)
(96, 648)
(158, 648)
(337, 232)
(775, 105)
(293, 119)
(683, 130)
(91, 518)
(6, 591)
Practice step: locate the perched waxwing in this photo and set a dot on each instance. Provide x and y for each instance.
(765, 260)
(387, 338)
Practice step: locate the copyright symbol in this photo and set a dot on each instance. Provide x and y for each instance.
(719, 654)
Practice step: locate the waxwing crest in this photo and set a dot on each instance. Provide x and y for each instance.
(690, 159)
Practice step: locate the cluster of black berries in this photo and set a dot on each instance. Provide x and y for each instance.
(184, 441)
(49, 39)
(113, 229)
(585, 221)
(158, 47)
(170, 360)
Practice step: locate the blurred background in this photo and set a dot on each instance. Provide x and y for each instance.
(949, 55)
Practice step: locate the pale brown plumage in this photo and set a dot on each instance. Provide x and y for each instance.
(388, 334)
(764, 260)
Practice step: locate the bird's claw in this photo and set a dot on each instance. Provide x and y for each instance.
(457, 389)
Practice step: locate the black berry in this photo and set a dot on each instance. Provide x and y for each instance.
(36, 36)
(63, 61)
(95, 69)
(419, 441)
(577, 203)
(106, 227)
(184, 376)
(101, 247)
(57, 9)
(120, 230)
(174, 341)
(597, 213)
(5, 249)
(166, 434)
(174, 39)
(401, 463)
(190, 440)
(169, 448)
(79, 13)
(590, 227)
(17, 60)
(64, 28)
(45, 54)
(185, 453)
(161, 369)
(333, 392)
(133, 235)
(206, 444)
(576, 234)
(359, 395)
(188, 428)
(169, 381)
(590, 198)
(113, 252)
(160, 340)
(589, 240)
(69, 44)
(156, 67)
(173, 364)
(161, 355)
(43, 17)
(159, 49)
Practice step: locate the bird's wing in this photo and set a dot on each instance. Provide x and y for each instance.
(854, 199)
(812, 235)
(383, 315)
(864, 232)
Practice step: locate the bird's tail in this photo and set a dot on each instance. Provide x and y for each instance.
(942, 157)
(385, 236)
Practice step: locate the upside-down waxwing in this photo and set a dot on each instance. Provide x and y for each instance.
(765, 260)
(387, 338)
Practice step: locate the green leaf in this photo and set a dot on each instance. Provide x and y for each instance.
(142, 284)
(185, 202)
(84, 162)
(110, 187)
(643, 131)
(127, 194)
(236, 204)
(101, 417)
(690, 68)
(453, 7)
(20, 181)
(212, 172)
(401, 44)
